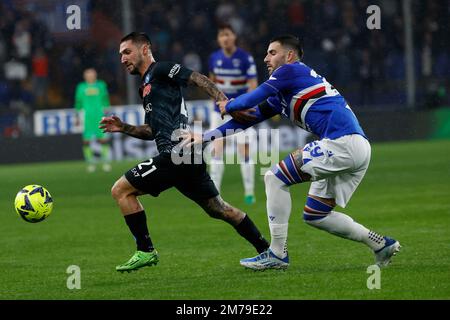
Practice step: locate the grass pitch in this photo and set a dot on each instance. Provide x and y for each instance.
(405, 194)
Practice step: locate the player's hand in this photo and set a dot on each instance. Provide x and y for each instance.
(244, 116)
(221, 104)
(111, 124)
(190, 139)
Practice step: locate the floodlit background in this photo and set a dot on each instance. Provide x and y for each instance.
(396, 79)
(42, 60)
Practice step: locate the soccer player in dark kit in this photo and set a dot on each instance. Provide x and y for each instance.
(165, 112)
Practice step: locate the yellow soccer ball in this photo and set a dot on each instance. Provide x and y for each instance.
(33, 203)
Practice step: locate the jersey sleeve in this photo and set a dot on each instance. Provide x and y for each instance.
(172, 72)
(280, 79)
(251, 68)
(261, 113)
(250, 99)
(274, 102)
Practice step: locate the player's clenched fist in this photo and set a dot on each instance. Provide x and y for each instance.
(111, 124)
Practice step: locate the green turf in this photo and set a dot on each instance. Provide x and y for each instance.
(405, 194)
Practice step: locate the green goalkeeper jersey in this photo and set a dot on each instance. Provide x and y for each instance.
(92, 99)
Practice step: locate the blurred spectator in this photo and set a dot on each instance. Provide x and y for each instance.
(367, 79)
(15, 70)
(192, 61)
(3, 49)
(177, 52)
(22, 40)
(224, 11)
(368, 65)
(296, 14)
(40, 76)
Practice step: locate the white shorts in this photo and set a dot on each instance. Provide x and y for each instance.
(336, 166)
(247, 136)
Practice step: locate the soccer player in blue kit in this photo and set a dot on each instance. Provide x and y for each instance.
(234, 72)
(335, 163)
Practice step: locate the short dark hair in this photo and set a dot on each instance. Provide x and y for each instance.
(137, 37)
(291, 41)
(224, 26)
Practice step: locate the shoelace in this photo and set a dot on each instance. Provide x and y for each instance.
(263, 255)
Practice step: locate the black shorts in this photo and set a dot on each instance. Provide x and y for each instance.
(160, 173)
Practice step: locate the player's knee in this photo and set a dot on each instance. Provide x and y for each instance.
(271, 179)
(115, 190)
(288, 171)
(315, 210)
(118, 190)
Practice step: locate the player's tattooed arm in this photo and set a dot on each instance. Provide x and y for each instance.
(207, 85)
(114, 124)
(143, 132)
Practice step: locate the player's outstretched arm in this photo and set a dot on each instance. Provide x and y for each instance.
(263, 112)
(114, 124)
(247, 100)
(207, 85)
(260, 113)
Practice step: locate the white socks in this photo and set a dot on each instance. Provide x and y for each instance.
(217, 168)
(339, 224)
(278, 212)
(248, 177)
(343, 226)
(216, 172)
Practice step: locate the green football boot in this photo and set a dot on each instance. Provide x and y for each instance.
(249, 199)
(138, 260)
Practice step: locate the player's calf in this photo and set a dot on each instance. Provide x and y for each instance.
(219, 209)
(126, 196)
(315, 210)
(318, 213)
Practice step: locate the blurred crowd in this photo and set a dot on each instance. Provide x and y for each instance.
(40, 67)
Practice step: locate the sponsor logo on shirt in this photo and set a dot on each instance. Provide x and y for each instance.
(175, 69)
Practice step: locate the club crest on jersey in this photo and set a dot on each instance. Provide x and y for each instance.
(147, 90)
(236, 63)
(148, 107)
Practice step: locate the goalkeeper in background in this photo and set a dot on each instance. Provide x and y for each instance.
(92, 99)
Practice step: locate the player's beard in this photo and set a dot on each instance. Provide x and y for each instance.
(134, 71)
(136, 67)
